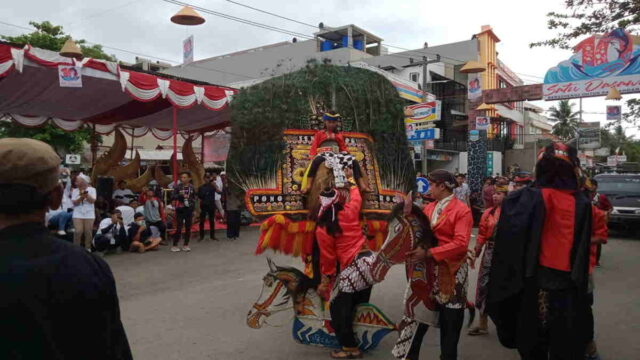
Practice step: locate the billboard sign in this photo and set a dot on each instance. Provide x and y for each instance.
(474, 86)
(589, 135)
(427, 111)
(599, 62)
(69, 76)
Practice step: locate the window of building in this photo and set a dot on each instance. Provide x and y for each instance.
(414, 76)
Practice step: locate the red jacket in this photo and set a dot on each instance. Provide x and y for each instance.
(487, 225)
(558, 230)
(453, 231)
(324, 135)
(344, 247)
(599, 230)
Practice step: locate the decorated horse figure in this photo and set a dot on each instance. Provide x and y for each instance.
(288, 288)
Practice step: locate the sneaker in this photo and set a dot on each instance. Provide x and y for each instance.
(62, 233)
(175, 249)
(186, 248)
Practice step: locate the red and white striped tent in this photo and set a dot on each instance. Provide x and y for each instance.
(110, 97)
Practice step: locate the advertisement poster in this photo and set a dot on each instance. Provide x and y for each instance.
(474, 86)
(482, 122)
(69, 76)
(589, 135)
(614, 112)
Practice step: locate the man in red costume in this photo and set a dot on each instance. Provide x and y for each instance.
(330, 141)
(451, 223)
(537, 290)
(342, 243)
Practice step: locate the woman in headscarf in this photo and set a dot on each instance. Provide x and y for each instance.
(451, 223)
(342, 242)
(486, 232)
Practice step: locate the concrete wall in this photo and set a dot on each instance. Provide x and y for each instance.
(526, 157)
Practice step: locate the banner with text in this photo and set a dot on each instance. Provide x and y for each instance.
(614, 112)
(599, 62)
(187, 50)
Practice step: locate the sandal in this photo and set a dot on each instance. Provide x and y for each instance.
(478, 331)
(343, 354)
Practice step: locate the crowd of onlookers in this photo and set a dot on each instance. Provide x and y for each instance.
(138, 222)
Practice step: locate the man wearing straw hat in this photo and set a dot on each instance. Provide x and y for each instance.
(58, 301)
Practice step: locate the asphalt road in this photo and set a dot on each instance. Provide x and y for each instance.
(194, 305)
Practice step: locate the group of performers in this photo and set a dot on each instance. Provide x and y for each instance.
(534, 280)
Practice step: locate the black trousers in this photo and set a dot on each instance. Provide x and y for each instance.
(184, 216)
(161, 227)
(450, 326)
(211, 213)
(560, 332)
(342, 310)
(233, 223)
(320, 159)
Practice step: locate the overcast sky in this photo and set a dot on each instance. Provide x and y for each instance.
(143, 26)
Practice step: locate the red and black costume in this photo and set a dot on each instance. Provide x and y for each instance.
(538, 285)
(341, 242)
(451, 223)
(316, 149)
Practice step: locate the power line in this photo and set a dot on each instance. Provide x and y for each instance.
(172, 62)
(272, 14)
(240, 20)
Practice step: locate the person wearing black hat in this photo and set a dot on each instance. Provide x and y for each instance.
(539, 273)
(58, 301)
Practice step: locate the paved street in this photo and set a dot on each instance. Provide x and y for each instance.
(193, 306)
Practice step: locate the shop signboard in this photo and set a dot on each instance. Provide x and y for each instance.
(614, 112)
(423, 112)
(604, 151)
(614, 160)
(425, 134)
(429, 144)
(599, 62)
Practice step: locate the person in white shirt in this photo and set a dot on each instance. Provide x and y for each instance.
(462, 192)
(84, 213)
(111, 233)
(128, 212)
(122, 195)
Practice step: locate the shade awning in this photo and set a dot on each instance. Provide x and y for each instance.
(110, 96)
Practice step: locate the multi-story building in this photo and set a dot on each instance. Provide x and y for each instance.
(442, 80)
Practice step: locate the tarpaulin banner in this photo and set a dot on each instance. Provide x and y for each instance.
(216, 147)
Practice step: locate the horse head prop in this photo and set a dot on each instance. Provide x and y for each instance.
(280, 288)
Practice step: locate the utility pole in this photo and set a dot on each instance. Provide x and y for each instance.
(425, 61)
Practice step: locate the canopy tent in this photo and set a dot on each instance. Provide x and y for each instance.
(111, 96)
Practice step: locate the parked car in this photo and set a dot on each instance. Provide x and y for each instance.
(623, 191)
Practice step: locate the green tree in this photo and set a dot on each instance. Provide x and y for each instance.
(587, 17)
(52, 37)
(565, 119)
